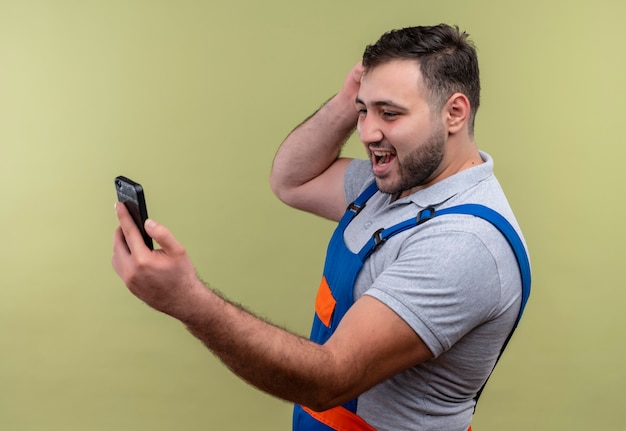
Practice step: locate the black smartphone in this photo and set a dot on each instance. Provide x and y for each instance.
(131, 194)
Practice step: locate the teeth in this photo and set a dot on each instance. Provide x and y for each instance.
(382, 156)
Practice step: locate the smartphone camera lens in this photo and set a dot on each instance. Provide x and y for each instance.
(118, 183)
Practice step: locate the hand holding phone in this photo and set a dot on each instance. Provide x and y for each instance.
(132, 196)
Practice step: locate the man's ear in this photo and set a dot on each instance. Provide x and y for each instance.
(457, 111)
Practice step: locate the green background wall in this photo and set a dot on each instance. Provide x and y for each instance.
(192, 99)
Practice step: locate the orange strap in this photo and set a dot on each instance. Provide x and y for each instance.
(340, 419)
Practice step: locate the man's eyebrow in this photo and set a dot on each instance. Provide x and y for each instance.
(382, 103)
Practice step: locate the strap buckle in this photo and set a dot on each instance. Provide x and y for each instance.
(378, 238)
(355, 208)
(425, 215)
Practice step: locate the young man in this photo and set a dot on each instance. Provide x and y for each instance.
(410, 319)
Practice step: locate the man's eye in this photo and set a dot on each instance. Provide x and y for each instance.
(389, 115)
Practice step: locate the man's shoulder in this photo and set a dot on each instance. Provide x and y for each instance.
(357, 177)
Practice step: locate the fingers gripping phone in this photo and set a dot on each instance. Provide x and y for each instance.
(131, 194)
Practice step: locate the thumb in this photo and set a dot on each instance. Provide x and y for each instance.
(169, 244)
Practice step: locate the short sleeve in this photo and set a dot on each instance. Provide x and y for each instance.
(442, 285)
(358, 176)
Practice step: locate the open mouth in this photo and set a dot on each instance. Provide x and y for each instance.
(381, 158)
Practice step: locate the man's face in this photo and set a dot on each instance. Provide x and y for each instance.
(403, 138)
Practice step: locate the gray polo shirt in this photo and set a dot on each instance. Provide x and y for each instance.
(454, 280)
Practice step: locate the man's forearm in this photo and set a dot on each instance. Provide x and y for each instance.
(270, 358)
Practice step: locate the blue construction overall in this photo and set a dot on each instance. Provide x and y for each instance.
(335, 295)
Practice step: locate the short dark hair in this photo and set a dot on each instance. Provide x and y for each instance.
(446, 56)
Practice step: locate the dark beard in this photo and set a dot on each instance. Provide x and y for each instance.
(419, 165)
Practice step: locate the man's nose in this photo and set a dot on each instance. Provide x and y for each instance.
(369, 130)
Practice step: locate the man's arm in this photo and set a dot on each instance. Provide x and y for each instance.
(361, 353)
(307, 172)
